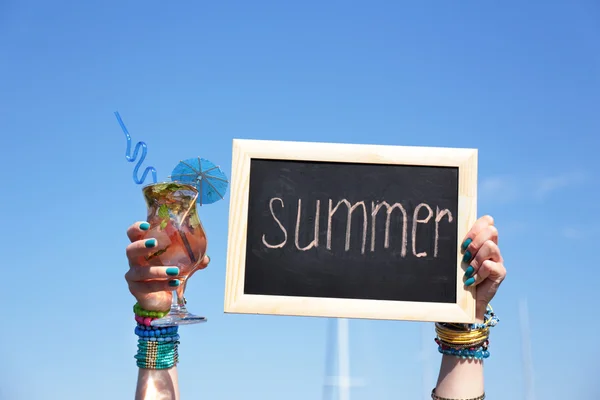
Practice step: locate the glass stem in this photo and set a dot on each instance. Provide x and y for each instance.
(174, 300)
(177, 301)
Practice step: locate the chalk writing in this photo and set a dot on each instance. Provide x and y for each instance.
(386, 242)
(417, 221)
(348, 223)
(422, 215)
(438, 217)
(280, 245)
(315, 241)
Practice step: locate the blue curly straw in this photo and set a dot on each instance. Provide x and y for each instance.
(135, 154)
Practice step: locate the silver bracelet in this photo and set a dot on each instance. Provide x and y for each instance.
(436, 397)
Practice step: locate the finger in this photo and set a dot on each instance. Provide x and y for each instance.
(488, 251)
(136, 231)
(140, 248)
(153, 286)
(477, 227)
(489, 232)
(203, 264)
(138, 273)
(494, 272)
(482, 274)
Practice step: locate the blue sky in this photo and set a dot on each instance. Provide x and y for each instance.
(518, 80)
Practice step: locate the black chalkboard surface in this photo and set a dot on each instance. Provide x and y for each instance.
(284, 257)
(343, 230)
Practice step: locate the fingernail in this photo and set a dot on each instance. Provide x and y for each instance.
(144, 226)
(174, 282)
(150, 243)
(469, 281)
(469, 271)
(466, 243)
(467, 256)
(173, 271)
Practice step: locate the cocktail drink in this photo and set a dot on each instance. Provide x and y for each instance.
(174, 223)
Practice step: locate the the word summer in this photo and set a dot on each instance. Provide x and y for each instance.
(413, 220)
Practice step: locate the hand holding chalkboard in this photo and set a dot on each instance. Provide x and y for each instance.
(486, 266)
(350, 230)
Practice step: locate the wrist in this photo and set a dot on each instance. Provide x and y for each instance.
(157, 345)
(466, 341)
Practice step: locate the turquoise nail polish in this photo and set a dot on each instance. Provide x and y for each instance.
(174, 282)
(150, 243)
(466, 243)
(173, 271)
(467, 256)
(144, 226)
(469, 281)
(469, 271)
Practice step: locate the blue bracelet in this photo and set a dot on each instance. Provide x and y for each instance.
(163, 330)
(155, 333)
(157, 348)
(157, 356)
(478, 353)
(160, 339)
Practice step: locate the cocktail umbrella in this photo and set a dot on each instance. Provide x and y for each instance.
(205, 176)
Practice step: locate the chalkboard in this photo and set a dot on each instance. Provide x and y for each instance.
(350, 230)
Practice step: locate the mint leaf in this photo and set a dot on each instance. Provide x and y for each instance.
(173, 187)
(163, 212)
(156, 254)
(165, 188)
(164, 223)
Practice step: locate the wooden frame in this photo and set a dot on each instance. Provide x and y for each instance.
(245, 150)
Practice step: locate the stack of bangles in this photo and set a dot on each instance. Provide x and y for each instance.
(464, 340)
(157, 346)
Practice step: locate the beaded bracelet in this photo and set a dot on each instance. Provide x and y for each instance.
(156, 355)
(477, 353)
(490, 320)
(160, 339)
(436, 397)
(466, 341)
(147, 321)
(140, 312)
(157, 346)
(143, 331)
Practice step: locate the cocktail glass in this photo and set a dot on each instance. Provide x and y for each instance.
(174, 223)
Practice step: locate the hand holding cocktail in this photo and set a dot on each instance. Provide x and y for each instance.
(171, 244)
(151, 285)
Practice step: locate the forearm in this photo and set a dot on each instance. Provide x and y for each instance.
(157, 384)
(460, 378)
